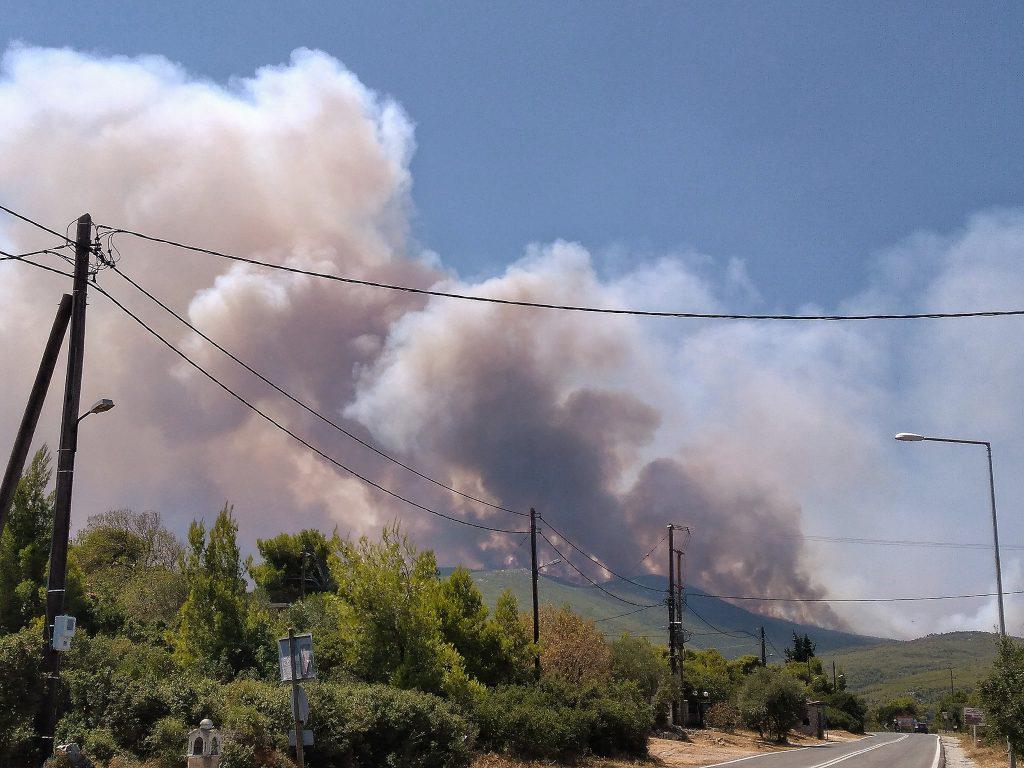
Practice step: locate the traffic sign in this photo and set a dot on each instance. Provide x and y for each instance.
(973, 716)
(305, 665)
(301, 711)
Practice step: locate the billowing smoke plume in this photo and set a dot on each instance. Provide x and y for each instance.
(610, 427)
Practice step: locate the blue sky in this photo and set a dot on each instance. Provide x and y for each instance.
(799, 137)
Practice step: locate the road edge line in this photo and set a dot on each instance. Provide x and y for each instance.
(940, 753)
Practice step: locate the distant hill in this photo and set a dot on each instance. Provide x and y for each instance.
(917, 667)
(718, 615)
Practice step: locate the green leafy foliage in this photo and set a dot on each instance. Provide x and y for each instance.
(220, 629)
(294, 565)
(1002, 694)
(771, 702)
(25, 546)
(376, 725)
(802, 650)
(637, 660)
(901, 706)
(20, 697)
(559, 720)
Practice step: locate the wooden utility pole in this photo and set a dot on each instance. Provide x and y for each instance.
(23, 441)
(672, 619)
(65, 475)
(764, 654)
(681, 636)
(536, 604)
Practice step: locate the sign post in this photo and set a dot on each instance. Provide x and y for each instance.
(295, 657)
(974, 717)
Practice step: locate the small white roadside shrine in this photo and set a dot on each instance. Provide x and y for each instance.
(203, 746)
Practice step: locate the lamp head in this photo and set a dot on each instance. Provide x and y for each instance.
(909, 437)
(102, 406)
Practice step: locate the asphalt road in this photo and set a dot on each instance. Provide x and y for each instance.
(880, 750)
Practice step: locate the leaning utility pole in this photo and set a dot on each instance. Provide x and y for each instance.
(672, 619)
(536, 606)
(27, 429)
(65, 475)
(764, 654)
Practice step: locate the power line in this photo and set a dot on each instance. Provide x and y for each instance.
(652, 550)
(34, 223)
(111, 231)
(891, 542)
(569, 562)
(292, 434)
(767, 599)
(598, 562)
(305, 406)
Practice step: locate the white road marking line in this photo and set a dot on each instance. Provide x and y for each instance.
(763, 754)
(938, 751)
(841, 758)
(826, 764)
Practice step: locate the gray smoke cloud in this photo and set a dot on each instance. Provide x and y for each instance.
(610, 427)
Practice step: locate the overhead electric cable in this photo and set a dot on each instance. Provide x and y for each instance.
(888, 542)
(593, 559)
(306, 407)
(544, 305)
(295, 436)
(569, 562)
(27, 220)
(768, 599)
(652, 550)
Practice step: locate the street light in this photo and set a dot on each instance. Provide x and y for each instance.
(910, 437)
(100, 406)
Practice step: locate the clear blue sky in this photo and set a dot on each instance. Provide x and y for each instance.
(801, 137)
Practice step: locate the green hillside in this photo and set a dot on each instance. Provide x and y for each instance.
(917, 667)
(703, 619)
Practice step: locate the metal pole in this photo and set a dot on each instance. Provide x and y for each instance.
(65, 475)
(299, 756)
(995, 540)
(999, 572)
(23, 440)
(681, 633)
(536, 604)
(672, 620)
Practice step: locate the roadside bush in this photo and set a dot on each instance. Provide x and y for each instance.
(363, 725)
(771, 702)
(723, 716)
(554, 720)
(19, 697)
(846, 710)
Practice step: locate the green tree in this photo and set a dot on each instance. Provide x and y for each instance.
(772, 702)
(20, 697)
(130, 568)
(219, 626)
(390, 593)
(802, 650)
(638, 661)
(25, 546)
(494, 650)
(901, 706)
(289, 561)
(1002, 693)
(707, 670)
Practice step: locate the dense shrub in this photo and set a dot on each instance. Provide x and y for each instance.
(771, 702)
(724, 716)
(557, 721)
(19, 697)
(845, 710)
(362, 725)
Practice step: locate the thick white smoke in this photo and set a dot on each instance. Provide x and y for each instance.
(611, 427)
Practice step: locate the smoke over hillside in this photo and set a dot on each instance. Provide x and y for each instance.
(610, 427)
